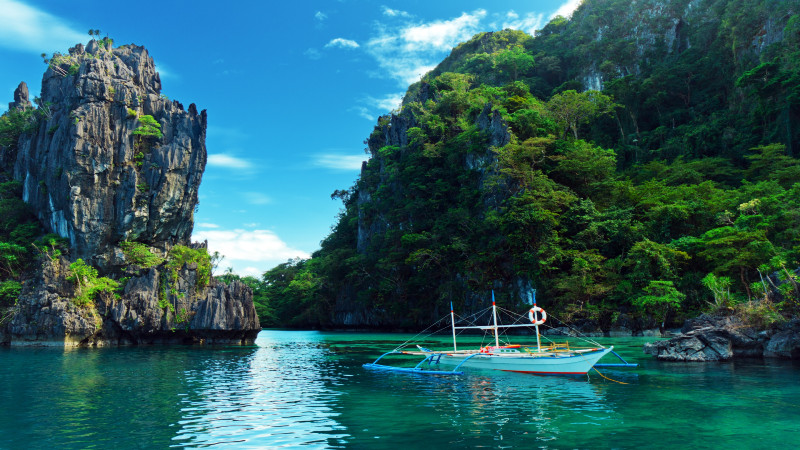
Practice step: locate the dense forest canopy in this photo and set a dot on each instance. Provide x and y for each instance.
(638, 158)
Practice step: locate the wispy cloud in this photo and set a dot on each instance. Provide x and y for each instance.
(320, 16)
(372, 107)
(249, 252)
(394, 12)
(442, 34)
(25, 28)
(407, 51)
(339, 162)
(312, 53)
(225, 133)
(228, 161)
(206, 225)
(567, 8)
(256, 198)
(364, 112)
(529, 23)
(342, 43)
(388, 103)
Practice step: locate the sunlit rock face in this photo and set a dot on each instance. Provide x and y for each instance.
(92, 176)
(85, 173)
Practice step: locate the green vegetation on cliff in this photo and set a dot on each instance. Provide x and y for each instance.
(505, 169)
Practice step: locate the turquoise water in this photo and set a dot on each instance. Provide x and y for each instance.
(308, 389)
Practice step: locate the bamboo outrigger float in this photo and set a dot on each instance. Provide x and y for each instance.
(554, 359)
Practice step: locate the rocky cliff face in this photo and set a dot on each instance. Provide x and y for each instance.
(46, 314)
(89, 178)
(113, 160)
(658, 29)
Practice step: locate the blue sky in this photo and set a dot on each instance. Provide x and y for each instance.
(292, 90)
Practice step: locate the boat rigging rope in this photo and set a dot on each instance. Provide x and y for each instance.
(423, 331)
(609, 379)
(443, 318)
(580, 335)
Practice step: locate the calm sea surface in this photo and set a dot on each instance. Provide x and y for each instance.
(308, 389)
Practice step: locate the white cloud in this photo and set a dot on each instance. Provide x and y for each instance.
(25, 28)
(407, 51)
(376, 107)
(364, 112)
(339, 162)
(388, 103)
(394, 12)
(567, 8)
(342, 43)
(320, 16)
(206, 225)
(442, 34)
(529, 24)
(228, 161)
(249, 252)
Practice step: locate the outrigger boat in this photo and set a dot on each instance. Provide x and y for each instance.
(553, 359)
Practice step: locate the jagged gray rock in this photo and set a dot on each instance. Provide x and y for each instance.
(84, 172)
(215, 314)
(90, 179)
(21, 97)
(720, 338)
(786, 342)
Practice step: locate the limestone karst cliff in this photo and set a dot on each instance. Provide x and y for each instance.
(106, 159)
(614, 160)
(89, 177)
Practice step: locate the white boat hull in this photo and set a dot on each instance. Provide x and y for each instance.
(573, 364)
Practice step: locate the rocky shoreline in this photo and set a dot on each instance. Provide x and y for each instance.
(721, 338)
(46, 316)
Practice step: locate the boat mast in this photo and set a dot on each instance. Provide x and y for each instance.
(538, 341)
(453, 324)
(494, 314)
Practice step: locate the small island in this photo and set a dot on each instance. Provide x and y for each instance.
(109, 170)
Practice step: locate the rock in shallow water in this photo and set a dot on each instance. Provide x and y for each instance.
(719, 338)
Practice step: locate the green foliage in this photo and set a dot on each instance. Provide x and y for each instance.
(616, 200)
(659, 297)
(9, 292)
(88, 284)
(148, 131)
(571, 109)
(12, 259)
(720, 288)
(149, 127)
(180, 255)
(139, 254)
(13, 124)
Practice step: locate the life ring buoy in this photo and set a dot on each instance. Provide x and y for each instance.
(532, 315)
